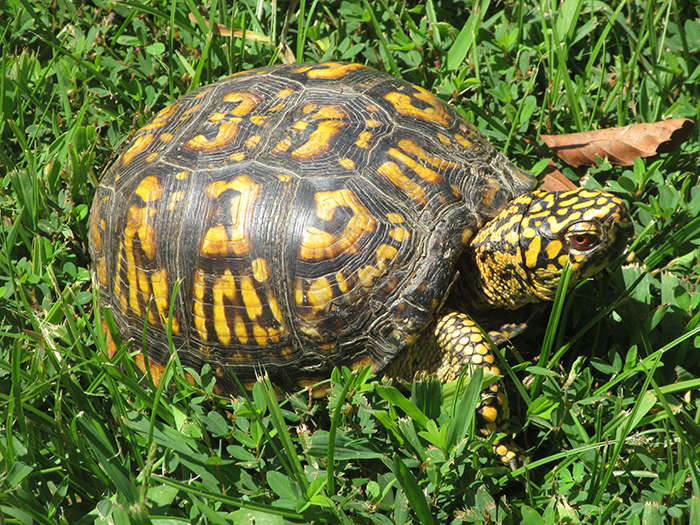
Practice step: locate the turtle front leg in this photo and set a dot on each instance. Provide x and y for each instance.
(453, 342)
(462, 343)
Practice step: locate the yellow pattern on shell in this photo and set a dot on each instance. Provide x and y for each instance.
(258, 120)
(342, 282)
(149, 189)
(140, 145)
(198, 289)
(392, 172)
(241, 205)
(159, 283)
(223, 288)
(215, 242)
(386, 252)
(161, 118)
(251, 299)
(252, 141)
(319, 141)
(317, 244)
(435, 113)
(140, 224)
(320, 293)
(247, 102)
(239, 329)
(399, 234)
(329, 113)
(424, 173)
(331, 70)
(363, 139)
(226, 134)
(285, 93)
(283, 145)
(260, 270)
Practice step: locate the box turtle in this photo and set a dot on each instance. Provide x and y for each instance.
(325, 215)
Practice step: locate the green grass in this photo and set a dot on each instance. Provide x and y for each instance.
(610, 411)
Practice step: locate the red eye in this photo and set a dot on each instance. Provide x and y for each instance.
(583, 241)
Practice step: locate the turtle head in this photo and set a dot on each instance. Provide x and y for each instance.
(518, 257)
(587, 228)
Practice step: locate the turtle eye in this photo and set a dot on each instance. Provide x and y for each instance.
(584, 241)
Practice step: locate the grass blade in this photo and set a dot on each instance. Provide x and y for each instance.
(416, 498)
(465, 412)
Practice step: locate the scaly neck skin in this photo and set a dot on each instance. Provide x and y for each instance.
(492, 270)
(491, 280)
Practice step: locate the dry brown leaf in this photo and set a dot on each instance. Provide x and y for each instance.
(620, 145)
(221, 29)
(554, 180)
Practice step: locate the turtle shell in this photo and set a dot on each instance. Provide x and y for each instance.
(295, 218)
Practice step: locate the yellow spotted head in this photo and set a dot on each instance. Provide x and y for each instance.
(518, 257)
(587, 228)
